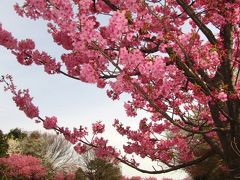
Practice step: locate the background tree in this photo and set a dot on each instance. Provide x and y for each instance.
(62, 176)
(101, 169)
(94, 168)
(16, 134)
(60, 153)
(56, 153)
(33, 144)
(169, 71)
(14, 146)
(21, 167)
(80, 175)
(14, 137)
(3, 144)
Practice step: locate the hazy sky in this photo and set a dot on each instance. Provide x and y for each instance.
(73, 102)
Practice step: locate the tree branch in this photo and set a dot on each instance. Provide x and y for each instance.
(111, 5)
(191, 76)
(206, 31)
(65, 74)
(183, 165)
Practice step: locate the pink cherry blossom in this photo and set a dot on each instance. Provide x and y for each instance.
(6, 39)
(98, 127)
(24, 102)
(50, 122)
(222, 96)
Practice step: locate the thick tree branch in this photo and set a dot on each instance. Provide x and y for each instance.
(183, 165)
(233, 105)
(206, 31)
(154, 49)
(153, 104)
(111, 5)
(66, 74)
(191, 76)
(215, 146)
(189, 63)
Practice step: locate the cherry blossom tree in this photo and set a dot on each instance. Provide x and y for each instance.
(177, 59)
(55, 152)
(21, 167)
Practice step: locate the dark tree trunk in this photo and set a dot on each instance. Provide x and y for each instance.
(232, 155)
(230, 140)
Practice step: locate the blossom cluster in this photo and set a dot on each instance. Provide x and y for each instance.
(24, 102)
(98, 127)
(6, 39)
(50, 122)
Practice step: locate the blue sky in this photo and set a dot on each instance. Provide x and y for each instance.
(73, 102)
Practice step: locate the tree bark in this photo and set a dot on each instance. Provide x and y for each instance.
(230, 141)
